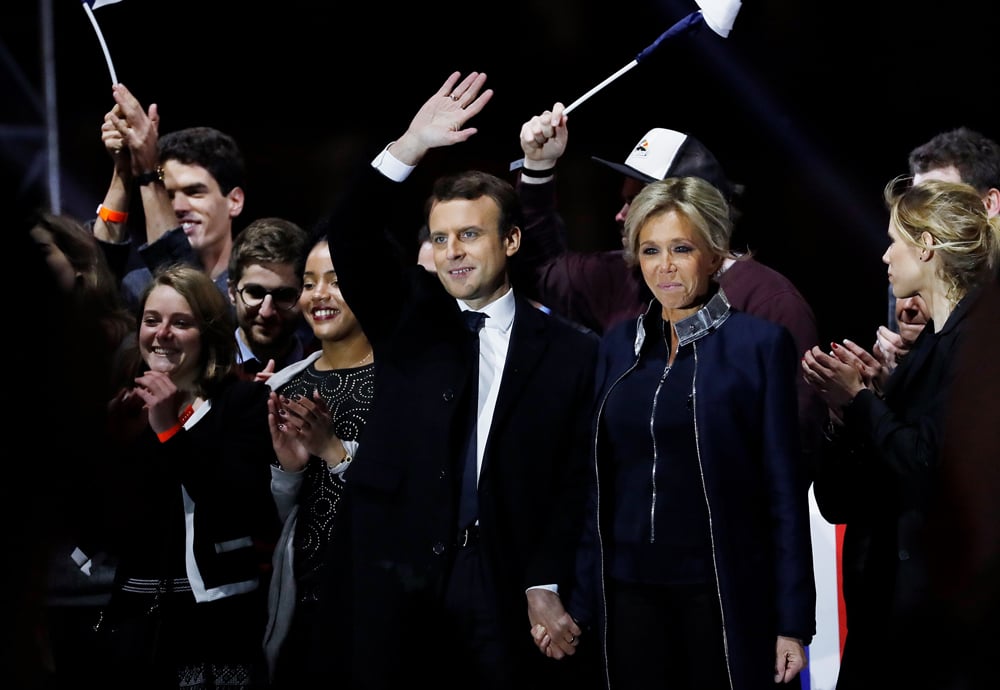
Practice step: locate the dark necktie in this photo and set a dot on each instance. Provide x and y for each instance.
(468, 505)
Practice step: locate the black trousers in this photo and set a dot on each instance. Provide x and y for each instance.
(482, 659)
(665, 637)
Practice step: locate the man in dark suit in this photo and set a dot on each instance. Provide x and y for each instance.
(422, 595)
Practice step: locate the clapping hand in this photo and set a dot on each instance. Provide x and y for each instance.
(834, 376)
(300, 427)
(284, 437)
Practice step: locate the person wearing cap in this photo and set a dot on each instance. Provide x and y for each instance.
(599, 289)
(697, 560)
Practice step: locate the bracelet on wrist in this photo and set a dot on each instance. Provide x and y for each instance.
(149, 177)
(110, 216)
(347, 458)
(548, 172)
(165, 436)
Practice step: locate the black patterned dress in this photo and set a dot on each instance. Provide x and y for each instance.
(348, 394)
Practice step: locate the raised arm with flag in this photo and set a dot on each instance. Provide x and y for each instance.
(718, 15)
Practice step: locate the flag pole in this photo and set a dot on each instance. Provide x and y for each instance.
(718, 15)
(682, 26)
(104, 45)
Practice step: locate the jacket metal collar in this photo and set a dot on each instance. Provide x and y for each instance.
(692, 328)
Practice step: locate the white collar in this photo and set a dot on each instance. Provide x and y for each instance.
(500, 311)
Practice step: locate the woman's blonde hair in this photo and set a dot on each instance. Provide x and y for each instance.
(702, 204)
(966, 239)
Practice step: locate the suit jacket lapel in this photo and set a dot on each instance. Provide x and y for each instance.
(524, 353)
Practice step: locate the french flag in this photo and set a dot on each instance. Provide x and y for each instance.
(831, 628)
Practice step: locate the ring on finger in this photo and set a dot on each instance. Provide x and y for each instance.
(455, 96)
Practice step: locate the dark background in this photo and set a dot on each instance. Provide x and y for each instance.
(813, 106)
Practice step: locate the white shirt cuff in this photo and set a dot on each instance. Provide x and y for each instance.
(390, 166)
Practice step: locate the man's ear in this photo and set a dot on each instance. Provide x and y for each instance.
(512, 241)
(236, 198)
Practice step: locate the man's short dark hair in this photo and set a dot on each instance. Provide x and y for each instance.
(474, 184)
(213, 150)
(269, 240)
(975, 156)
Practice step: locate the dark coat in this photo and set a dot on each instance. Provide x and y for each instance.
(402, 488)
(877, 475)
(754, 480)
(599, 289)
(223, 463)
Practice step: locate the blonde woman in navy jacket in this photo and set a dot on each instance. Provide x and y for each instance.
(703, 557)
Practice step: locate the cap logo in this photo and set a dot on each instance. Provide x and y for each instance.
(643, 148)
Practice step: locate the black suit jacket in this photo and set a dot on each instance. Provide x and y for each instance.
(402, 488)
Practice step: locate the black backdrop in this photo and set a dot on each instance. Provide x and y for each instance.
(812, 106)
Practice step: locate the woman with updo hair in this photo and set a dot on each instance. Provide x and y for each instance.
(880, 463)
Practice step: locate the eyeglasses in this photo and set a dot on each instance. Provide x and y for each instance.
(284, 298)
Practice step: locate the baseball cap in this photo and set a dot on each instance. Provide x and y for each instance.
(663, 153)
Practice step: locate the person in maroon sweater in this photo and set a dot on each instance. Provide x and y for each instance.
(598, 289)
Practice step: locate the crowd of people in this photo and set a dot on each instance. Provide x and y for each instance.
(368, 454)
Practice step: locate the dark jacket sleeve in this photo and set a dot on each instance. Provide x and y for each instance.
(172, 248)
(370, 270)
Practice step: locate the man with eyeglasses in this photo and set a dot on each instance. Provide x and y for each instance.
(265, 280)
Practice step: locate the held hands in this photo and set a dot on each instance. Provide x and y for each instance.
(789, 659)
(441, 119)
(544, 138)
(555, 632)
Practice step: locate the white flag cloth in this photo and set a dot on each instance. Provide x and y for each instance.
(720, 15)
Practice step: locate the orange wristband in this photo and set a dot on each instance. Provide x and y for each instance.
(165, 436)
(109, 216)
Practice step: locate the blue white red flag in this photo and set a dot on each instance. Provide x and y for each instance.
(831, 626)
